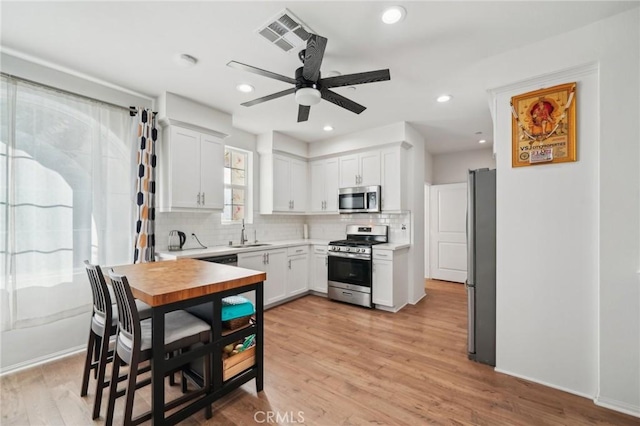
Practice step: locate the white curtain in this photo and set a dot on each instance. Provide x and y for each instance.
(66, 196)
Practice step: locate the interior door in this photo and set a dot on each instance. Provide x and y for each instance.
(448, 232)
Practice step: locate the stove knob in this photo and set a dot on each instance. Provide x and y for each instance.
(348, 249)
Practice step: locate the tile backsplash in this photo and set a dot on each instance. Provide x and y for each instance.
(211, 232)
(332, 227)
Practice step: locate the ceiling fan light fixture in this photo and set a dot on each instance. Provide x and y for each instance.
(308, 96)
(444, 98)
(393, 15)
(244, 88)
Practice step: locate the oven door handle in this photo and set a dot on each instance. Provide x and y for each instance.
(350, 255)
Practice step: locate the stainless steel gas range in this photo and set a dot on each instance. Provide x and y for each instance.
(350, 265)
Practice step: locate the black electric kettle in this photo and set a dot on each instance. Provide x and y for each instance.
(176, 240)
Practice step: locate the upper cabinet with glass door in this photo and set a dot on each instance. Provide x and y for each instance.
(190, 171)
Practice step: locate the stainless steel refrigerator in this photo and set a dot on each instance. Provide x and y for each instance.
(481, 265)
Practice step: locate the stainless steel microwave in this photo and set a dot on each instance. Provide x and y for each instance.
(359, 199)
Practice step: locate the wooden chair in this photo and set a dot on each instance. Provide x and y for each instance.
(103, 327)
(133, 346)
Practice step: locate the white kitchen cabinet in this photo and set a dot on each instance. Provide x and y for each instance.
(298, 270)
(394, 193)
(390, 279)
(324, 186)
(283, 184)
(319, 270)
(274, 263)
(191, 170)
(362, 169)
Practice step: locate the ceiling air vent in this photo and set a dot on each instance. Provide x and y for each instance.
(286, 31)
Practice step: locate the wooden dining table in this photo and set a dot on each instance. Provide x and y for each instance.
(177, 284)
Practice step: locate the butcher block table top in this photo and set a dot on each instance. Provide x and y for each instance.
(161, 283)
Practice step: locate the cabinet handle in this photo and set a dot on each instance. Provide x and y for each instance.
(326, 261)
(203, 198)
(264, 258)
(198, 198)
(267, 258)
(293, 204)
(289, 263)
(299, 251)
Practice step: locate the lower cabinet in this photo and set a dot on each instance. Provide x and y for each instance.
(390, 279)
(297, 273)
(319, 269)
(274, 263)
(287, 272)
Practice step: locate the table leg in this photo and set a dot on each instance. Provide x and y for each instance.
(157, 366)
(259, 336)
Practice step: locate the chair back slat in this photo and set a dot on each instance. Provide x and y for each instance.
(128, 318)
(101, 298)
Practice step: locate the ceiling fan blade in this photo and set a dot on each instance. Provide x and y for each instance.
(269, 97)
(313, 57)
(341, 101)
(264, 73)
(303, 113)
(353, 79)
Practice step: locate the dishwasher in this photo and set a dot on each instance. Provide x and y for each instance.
(226, 259)
(203, 311)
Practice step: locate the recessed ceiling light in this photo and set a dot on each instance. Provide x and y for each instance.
(244, 88)
(482, 141)
(327, 128)
(444, 98)
(393, 14)
(185, 60)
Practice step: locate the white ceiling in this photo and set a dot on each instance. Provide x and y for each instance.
(132, 45)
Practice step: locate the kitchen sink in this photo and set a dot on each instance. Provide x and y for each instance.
(249, 245)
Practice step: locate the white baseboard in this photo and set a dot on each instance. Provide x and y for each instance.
(42, 360)
(623, 407)
(420, 298)
(550, 385)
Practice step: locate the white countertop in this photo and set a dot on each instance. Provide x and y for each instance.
(197, 253)
(391, 246)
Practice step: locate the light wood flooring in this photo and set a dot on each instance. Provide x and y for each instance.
(332, 364)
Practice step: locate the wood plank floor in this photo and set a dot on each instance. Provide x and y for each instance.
(332, 364)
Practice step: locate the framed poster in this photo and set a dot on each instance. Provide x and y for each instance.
(544, 126)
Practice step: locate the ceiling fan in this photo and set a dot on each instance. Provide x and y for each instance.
(309, 87)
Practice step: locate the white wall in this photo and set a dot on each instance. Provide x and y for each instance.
(547, 252)
(50, 74)
(568, 296)
(428, 167)
(453, 167)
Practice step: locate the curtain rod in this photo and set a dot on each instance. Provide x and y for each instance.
(132, 109)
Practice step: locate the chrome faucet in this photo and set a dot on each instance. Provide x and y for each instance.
(243, 237)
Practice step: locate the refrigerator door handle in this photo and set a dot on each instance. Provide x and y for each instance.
(471, 318)
(471, 261)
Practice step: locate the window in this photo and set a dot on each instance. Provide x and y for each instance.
(66, 196)
(237, 188)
